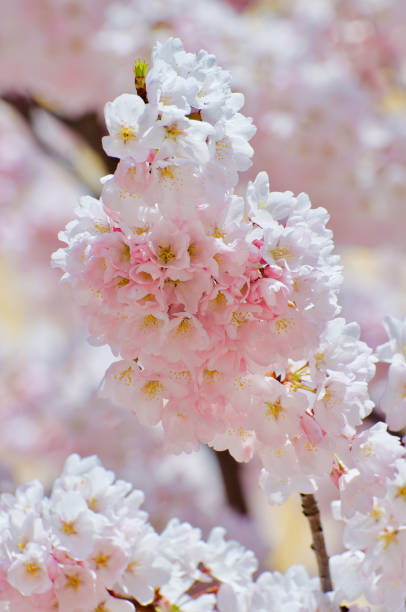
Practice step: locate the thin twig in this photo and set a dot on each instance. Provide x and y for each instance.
(312, 513)
(137, 606)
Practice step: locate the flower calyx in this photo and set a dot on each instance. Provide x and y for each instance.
(140, 71)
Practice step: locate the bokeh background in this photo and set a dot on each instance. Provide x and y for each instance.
(324, 80)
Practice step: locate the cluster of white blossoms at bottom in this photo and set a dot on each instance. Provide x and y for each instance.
(375, 561)
(88, 547)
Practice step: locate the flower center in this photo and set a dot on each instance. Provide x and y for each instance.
(127, 133)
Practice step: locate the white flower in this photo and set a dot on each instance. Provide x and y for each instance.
(112, 604)
(75, 588)
(264, 205)
(228, 560)
(230, 599)
(397, 492)
(166, 88)
(25, 527)
(183, 139)
(146, 568)
(108, 560)
(396, 330)
(346, 574)
(131, 127)
(73, 523)
(28, 572)
(393, 401)
(181, 536)
(230, 151)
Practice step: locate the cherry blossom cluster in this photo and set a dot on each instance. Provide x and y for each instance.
(315, 434)
(375, 538)
(88, 547)
(370, 475)
(221, 308)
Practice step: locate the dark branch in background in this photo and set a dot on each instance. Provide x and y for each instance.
(231, 473)
(89, 127)
(21, 103)
(92, 129)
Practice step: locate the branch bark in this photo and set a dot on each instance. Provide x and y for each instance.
(312, 513)
(137, 606)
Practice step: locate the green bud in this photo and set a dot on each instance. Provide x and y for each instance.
(140, 68)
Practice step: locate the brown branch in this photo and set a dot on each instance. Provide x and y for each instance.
(311, 511)
(137, 606)
(196, 590)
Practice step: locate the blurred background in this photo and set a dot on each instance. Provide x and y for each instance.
(324, 80)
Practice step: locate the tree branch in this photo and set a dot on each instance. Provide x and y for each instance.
(137, 606)
(312, 513)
